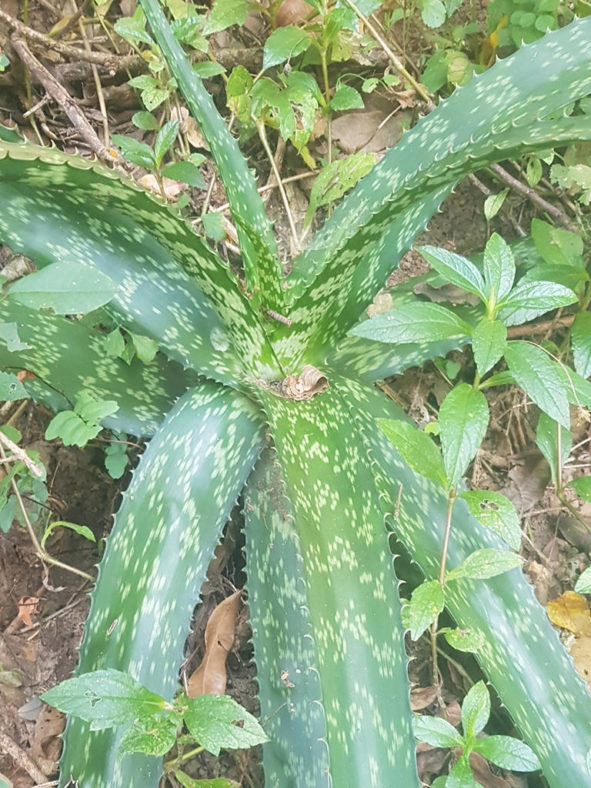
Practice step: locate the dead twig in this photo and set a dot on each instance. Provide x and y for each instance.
(19, 454)
(63, 98)
(20, 757)
(554, 211)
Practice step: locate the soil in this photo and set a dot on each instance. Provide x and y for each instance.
(37, 654)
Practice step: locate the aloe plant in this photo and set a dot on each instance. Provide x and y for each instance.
(284, 413)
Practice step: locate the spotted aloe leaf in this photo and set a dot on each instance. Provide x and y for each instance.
(259, 250)
(78, 362)
(350, 590)
(164, 535)
(355, 250)
(521, 653)
(197, 315)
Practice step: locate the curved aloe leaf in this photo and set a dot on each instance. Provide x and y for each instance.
(157, 555)
(259, 249)
(522, 655)
(350, 586)
(289, 686)
(86, 213)
(70, 357)
(355, 250)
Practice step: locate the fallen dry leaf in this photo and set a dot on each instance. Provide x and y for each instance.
(27, 607)
(172, 188)
(421, 697)
(210, 677)
(580, 651)
(46, 744)
(483, 774)
(571, 611)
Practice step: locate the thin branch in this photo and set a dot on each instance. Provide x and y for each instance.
(21, 759)
(20, 454)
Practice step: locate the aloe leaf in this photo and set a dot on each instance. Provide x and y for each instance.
(521, 654)
(143, 246)
(368, 360)
(285, 654)
(70, 356)
(351, 591)
(156, 558)
(434, 155)
(263, 272)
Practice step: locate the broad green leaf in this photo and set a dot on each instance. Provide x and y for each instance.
(92, 409)
(263, 273)
(136, 152)
(578, 390)
(66, 288)
(164, 140)
(548, 444)
(116, 459)
(531, 300)
(494, 203)
(499, 268)
(213, 224)
(145, 121)
(280, 621)
(583, 584)
(185, 172)
(153, 734)
(489, 341)
(133, 28)
(455, 269)
(345, 98)
(464, 639)
(508, 753)
(413, 322)
(582, 486)
(530, 649)
(340, 533)
(433, 13)
(104, 698)
(217, 721)
(496, 512)
(77, 427)
(283, 44)
(189, 782)
(581, 343)
(11, 388)
(475, 709)
(141, 604)
(417, 449)
(145, 348)
(225, 13)
(485, 563)
(436, 731)
(533, 370)
(463, 421)
(556, 245)
(426, 603)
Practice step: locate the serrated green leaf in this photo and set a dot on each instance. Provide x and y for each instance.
(583, 584)
(185, 172)
(142, 605)
(535, 373)
(145, 348)
(485, 563)
(92, 409)
(11, 388)
(499, 268)
(225, 13)
(66, 288)
(582, 486)
(417, 448)
(133, 28)
(345, 98)
(153, 97)
(508, 753)
(413, 322)
(217, 721)
(153, 734)
(437, 732)
(426, 603)
(496, 512)
(556, 245)
(136, 152)
(489, 341)
(533, 299)
(455, 269)
(433, 13)
(104, 698)
(71, 429)
(463, 421)
(116, 459)
(283, 44)
(548, 443)
(581, 343)
(165, 139)
(475, 709)
(213, 224)
(464, 639)
(145, 121)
